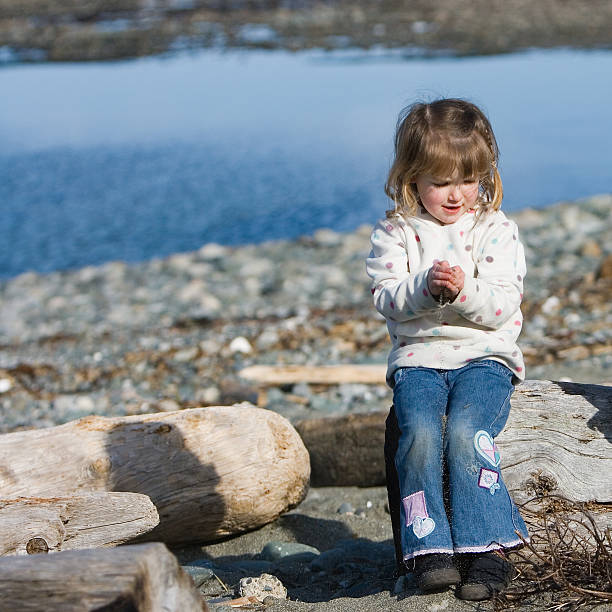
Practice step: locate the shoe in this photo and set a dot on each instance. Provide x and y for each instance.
(435, 572)
(487, 575)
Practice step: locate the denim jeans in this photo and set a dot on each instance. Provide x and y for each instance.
(446, 492)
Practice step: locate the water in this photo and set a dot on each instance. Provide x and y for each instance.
(139, 159)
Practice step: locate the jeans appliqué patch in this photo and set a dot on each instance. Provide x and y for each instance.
(415, 510)
(486, 447)
(423, 526)
(488, 479)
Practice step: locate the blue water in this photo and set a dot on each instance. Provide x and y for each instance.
(139, 159)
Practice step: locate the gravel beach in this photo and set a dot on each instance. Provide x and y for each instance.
(174, 333)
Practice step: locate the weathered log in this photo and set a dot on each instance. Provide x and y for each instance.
(211, 472)
(319, 375)
(88, 520)
(139, 578)
(557, 439)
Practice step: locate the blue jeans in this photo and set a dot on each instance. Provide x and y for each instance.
(447, 421)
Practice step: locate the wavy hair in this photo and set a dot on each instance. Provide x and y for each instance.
(439, 139)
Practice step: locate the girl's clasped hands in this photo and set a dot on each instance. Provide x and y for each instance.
(442, 278)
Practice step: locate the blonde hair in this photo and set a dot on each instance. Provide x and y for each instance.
(439, 139)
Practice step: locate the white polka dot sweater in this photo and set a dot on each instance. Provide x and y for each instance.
(484, 320)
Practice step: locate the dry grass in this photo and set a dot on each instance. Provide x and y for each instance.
(567, 565)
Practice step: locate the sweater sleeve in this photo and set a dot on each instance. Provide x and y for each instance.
(494, 294)
(399, 295)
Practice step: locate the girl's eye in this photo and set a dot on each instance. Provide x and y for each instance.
(470, 181)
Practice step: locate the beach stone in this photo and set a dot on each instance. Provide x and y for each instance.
(6, 384)
(346, 508)
(264, 586)
(199, 574)
(186, 355)
(591, 249)
(240, 345)
(212, 250)
(289, 551)
(209, 395)
(605, 268)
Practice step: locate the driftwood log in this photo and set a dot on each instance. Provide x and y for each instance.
(211, 472)
(317, 375)
(140, 578)
(557, 440)
(90, 520)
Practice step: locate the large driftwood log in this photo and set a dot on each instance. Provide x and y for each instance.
(211, 472)
(89, 520)
(141, 578)
(557, 439)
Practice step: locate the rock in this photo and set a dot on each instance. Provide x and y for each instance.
(551, 305)
(185, 355)
(264, 586)
(199, 574)
(346, 508)
(240, 345)
(289, 552)
(605, 268)
(591, 249)
(6, 384)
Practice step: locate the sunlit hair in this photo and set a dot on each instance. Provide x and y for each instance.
(439, 139)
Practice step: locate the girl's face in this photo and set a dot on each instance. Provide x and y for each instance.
(447, 198)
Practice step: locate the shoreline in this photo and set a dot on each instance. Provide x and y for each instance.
(104, 31)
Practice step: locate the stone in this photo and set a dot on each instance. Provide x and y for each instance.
(289, 551)
(186, 355)
(264, 586)
(591, 249)
(605, 268)
(6, 384)
(346, 508)
(240, 345)
(198, 574)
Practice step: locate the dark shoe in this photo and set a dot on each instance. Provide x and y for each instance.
(486, 575)
(435, 572)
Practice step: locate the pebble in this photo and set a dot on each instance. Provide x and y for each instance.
(240, 345)
(288, 551)
(198, 574)
(6, 384)
(346, 508)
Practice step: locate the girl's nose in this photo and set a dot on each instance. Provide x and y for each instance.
(455, 193)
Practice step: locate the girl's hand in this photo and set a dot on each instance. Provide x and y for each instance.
(441, 277)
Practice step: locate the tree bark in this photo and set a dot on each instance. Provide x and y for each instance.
(141, 578)
(89, 520)
(557, 439)
(211, 472)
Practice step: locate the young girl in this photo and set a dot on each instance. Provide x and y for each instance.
(447, 270)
